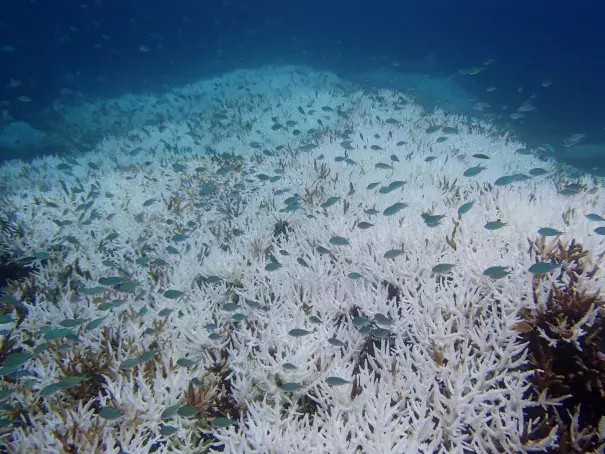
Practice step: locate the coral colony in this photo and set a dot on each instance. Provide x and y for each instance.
(274, 261)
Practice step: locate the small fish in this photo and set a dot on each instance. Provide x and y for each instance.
(381, 333)
(58, 333)
(494, 225)
(430, 158)
(396, 184)
(391, 187)
(394, 209)
(111, 281)
(392, 253)
(178, 167)
(537, 171)
(543, 268)
(548, 231)
(65, 167)
(329, 202)
(302, 262)
(449, 130)
(599, 230)
(480, 156)
(497, 272)
(574, 140)
(595, 217)
(359, 321)
(432, 220)
(383, 320)
(471, 71)
(339, 241)
(506, 180)
(173, 294)
(363, 225)
(575, 187)
(336, 342)
(41, 255)
(382, 165)
(442, 268)
(567, 192)
(273, 266)
(336, 381)
(386, 189)
(299, 332)
(291, 386)
(465, 208)
(315, 319)
(472, 171)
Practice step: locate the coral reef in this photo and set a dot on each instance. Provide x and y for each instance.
(299, 266)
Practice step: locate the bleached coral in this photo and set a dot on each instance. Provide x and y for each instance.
(218, 256)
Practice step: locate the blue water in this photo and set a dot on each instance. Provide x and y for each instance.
(94, 47)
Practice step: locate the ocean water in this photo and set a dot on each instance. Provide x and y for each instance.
(94, 48)
(284, 227)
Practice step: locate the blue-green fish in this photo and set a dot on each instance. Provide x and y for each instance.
(442, 268)
(595, 217)
(494, 225)
(465, 208)
(473, 171)
(543, 267)
(497, 272)
(549, 231)
(394, 209)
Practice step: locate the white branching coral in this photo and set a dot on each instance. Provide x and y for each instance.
(302, 268)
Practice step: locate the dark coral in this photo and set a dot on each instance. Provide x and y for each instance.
(561, 368)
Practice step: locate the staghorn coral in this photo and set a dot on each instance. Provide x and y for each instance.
(236, 304)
